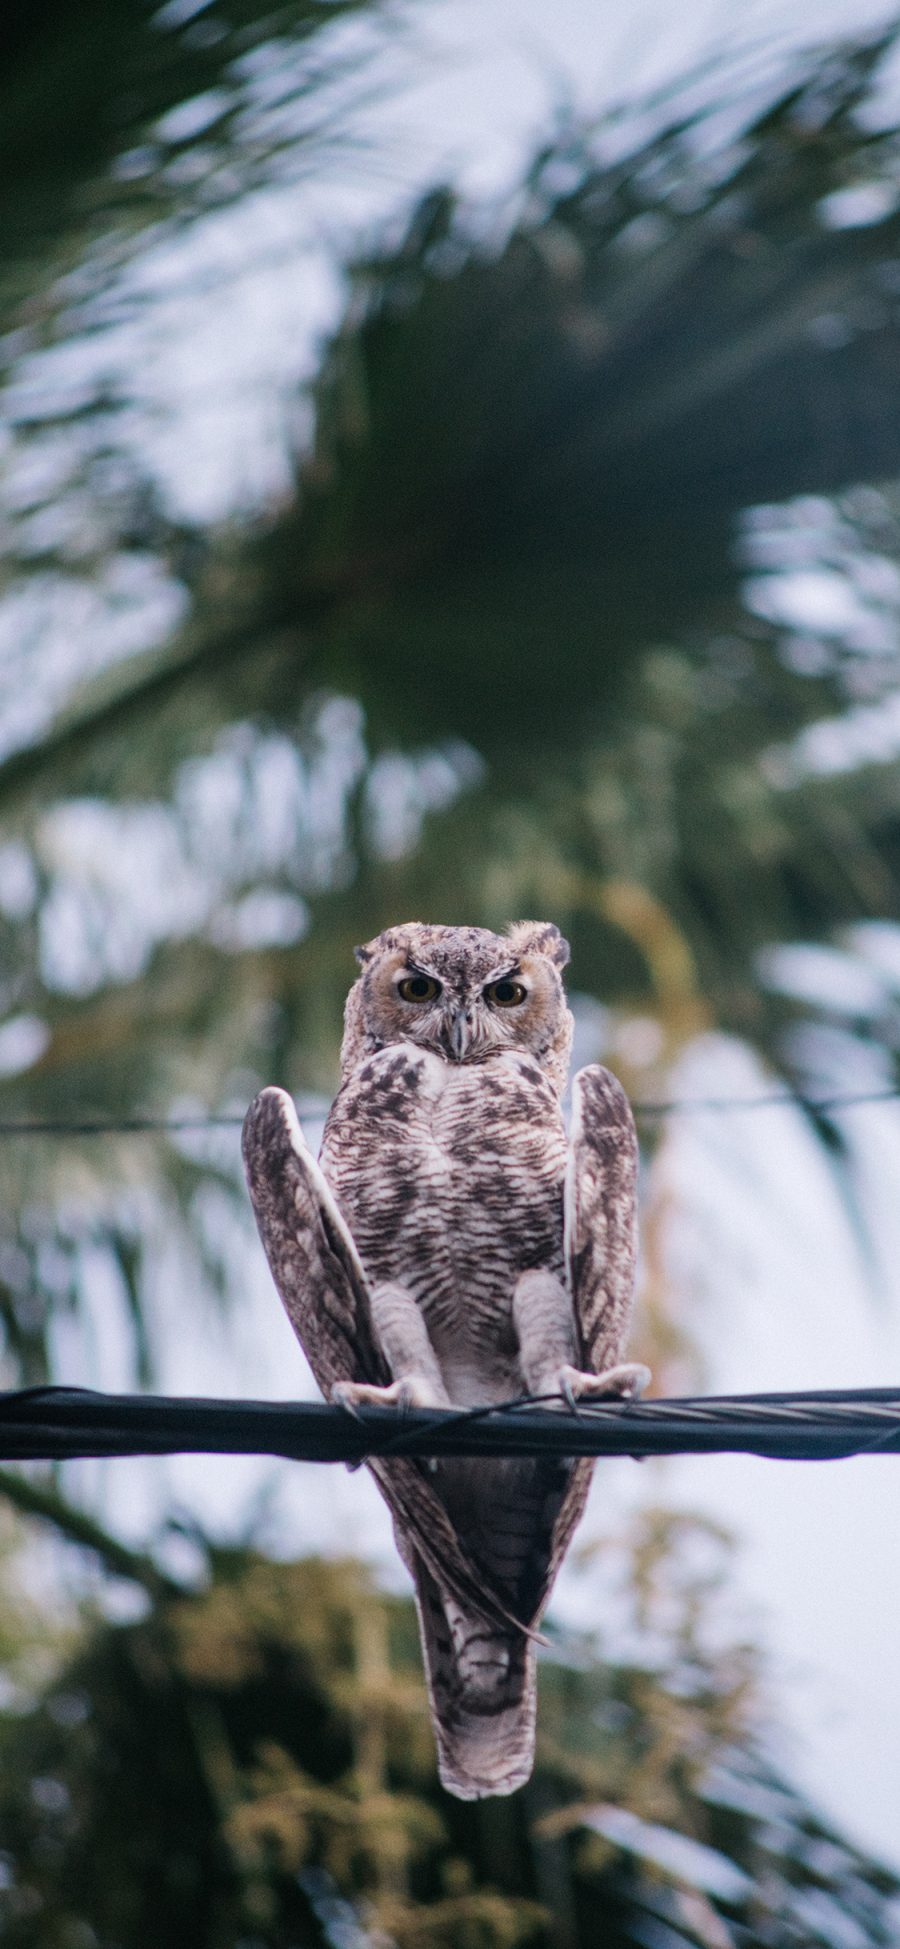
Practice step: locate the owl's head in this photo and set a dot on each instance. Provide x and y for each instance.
(463, 992)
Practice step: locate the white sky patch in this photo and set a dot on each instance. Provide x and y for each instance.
(878, 942)
(249, 798)
(23, 1038)
(264, 918)
(814, 574)
(402, 788)
(18, 881)
(254, 826)
(592, 1028)
(264, 803)
(57, 630)
(807, 599)
(677, 1855)
(121, 884)
(829, 978)
(866, 735)
(858, 205)
(189, 118)
(835, 595)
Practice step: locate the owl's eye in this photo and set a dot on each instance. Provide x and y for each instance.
(505, 994)
(418, 988)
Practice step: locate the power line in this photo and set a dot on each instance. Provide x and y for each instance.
(647, 1111)
(774, 1099)
(61, 1423)
(115, 1126)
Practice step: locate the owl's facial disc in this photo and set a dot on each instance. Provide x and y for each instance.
(464, 993)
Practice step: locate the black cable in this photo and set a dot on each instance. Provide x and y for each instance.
(60, 1423)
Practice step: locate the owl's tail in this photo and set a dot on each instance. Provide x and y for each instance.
(481, 1684)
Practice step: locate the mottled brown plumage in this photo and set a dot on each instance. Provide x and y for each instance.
(452, 1249)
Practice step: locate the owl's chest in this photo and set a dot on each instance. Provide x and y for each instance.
(449, 1175)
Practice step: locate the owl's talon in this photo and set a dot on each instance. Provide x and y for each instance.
(410, 1392)
(341, 1399)
(567, 1391)
(625, 1383)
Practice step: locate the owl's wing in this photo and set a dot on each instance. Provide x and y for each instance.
(600, 1232)
(314, 1262)
(600, 1236)
(322, 1285)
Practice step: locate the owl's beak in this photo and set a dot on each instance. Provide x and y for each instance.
(460, 1034)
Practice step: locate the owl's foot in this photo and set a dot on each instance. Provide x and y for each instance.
(627, 1382)
(413, 1391)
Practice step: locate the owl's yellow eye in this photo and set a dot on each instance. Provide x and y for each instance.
(418, 988)
(505, 994)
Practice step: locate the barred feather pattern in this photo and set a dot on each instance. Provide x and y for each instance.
(445, 1177)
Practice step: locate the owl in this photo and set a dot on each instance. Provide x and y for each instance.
(453, 1249)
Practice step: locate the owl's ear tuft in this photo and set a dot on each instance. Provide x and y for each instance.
(539, 937)
(363, 954)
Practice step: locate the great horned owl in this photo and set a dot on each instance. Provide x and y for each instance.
(451, 1249)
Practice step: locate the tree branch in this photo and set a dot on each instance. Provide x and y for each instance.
(36, 1499)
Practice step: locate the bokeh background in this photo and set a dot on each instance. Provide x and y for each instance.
(448, 464)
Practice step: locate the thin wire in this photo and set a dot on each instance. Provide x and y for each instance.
(647, 1111)
(114, 1126)
(466, 1417)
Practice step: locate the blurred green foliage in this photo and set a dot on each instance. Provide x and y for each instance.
(252, 1763)
(124, 114)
